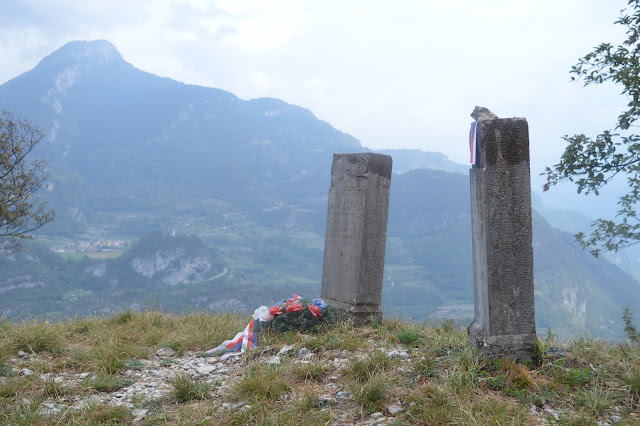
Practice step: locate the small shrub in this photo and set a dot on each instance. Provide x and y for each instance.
(496, 383)
(184, 388)
(576, 377)
(629, 328)
(5, 370)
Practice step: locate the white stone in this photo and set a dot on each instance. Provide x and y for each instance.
(205, 369)
(165, 352)
(394, 409)
(274, 360)
(139, 415)
(285, 350)
(342, 395)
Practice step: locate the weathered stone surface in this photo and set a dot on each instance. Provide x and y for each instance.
(504, 323)
(356, 234)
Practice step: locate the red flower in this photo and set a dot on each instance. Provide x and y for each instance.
(294, 307)
(275, 310)
(315, 310)
(294, 297)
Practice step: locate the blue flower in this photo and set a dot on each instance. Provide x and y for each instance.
(319, 303)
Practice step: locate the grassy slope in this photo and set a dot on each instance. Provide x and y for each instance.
(441, 380)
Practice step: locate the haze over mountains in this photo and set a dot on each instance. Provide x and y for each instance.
(131, 153)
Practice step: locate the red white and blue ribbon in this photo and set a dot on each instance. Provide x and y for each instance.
(244, 340)
(472, 142)
(248, 338)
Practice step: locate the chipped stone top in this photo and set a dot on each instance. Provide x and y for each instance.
(481, 113)
(353, 170)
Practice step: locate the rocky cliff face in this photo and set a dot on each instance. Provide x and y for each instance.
(173, 267)
(173, 260)
(20, 282)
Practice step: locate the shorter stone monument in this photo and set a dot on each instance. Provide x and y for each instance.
(504, 320)
(356, 235)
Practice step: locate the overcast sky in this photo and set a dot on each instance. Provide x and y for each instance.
(394, 74)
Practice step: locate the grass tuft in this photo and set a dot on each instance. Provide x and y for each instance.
(261, 382)
(518, 375)
(314, 371)
(107, 383)
(123, 317)
(372, 394)
(36, 337)
(595, 401)
(361, 371)
(409, 335)
(184, 388)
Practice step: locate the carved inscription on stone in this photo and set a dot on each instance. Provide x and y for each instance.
(343, 245)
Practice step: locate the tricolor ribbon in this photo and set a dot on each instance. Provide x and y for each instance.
(472, 142)
(244, 340)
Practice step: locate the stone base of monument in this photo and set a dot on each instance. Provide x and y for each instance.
(517, 347)
(360, 315)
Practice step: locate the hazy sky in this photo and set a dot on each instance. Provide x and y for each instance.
(394, 74)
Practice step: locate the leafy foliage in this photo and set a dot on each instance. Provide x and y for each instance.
(593, 163)
(629, 328)
(20, 179)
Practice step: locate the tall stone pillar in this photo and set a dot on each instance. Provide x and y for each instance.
(504, 321)
(356, 235)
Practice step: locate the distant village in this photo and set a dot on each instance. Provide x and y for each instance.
(99, 246)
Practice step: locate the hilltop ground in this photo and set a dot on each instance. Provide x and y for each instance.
(149, 368)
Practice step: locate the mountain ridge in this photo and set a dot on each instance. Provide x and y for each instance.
(130, 153)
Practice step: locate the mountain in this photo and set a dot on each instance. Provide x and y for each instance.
(405, 160)
(122, 140)
(242, 184)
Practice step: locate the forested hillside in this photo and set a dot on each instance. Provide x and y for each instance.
(185, 197)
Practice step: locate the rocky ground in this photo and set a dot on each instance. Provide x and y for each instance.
(150, 380)
(113, 371)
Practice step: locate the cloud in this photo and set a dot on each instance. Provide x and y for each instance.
(405, 74)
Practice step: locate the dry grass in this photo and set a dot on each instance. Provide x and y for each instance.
(440, 379)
